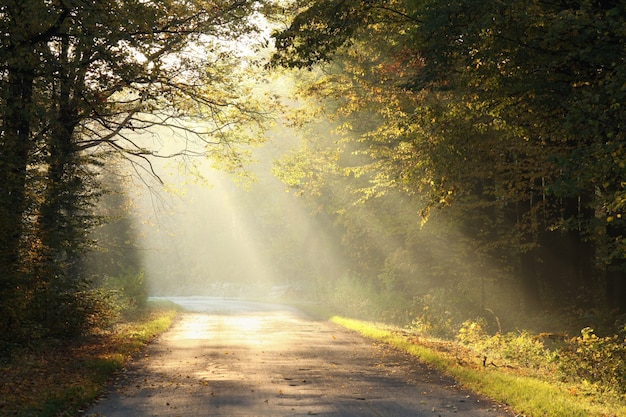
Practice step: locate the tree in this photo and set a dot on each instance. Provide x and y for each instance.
(81, 79)
(496, 117)
(537, 67)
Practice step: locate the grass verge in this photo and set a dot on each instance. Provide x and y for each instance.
(530, 396)
(59, 378)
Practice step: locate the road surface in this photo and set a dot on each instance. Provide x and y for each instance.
(236, 358)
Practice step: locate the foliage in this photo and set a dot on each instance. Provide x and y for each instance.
(82, 81)
(520, 350)
(477, 115)
(114, 247)
(600, 361)
(433, 316)
(594, 363)
(55, 379)
(131, 286)
(530, 390)
(76, 313)
(353, 297)
(502, 122)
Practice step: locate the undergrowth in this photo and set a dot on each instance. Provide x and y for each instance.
(536, 374)
(596, 365)
(58, 377)
(571, 363)
(584, 349)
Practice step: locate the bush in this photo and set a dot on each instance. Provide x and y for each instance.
(353, 297)
(71, 314)
(432, 316)
(131, 286)
(519, 350)
(597, 360)
(527, 351)
(472, 333)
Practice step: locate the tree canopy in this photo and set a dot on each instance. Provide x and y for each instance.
(507, 116)
(83, 80)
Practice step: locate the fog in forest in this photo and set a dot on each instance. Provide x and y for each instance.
(204, 231)
(200, 230)
(336, 207)
(208, 232)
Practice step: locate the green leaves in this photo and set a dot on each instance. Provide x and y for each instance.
(82, 80)
(507, 115)
(317, 32)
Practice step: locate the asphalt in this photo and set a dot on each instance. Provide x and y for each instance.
(236, 358)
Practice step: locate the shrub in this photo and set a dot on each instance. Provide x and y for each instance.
(527, 351)
(354, 297)
(131, 286)
(472, 333)
(432, 316)
(597, 360)
(80, 312)
(519, 350)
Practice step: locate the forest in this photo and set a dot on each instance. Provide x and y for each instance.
(85, 88)
(476, 161)
(461, 159)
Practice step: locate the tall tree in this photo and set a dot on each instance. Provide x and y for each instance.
(499, 117)
(82, 78)
(542, 68)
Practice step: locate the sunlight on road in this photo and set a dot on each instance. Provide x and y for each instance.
(257, 325)
(229, 357)
(245, 324)
(194, 329)
(203, 327)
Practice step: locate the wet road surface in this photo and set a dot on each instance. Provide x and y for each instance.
(236, 358)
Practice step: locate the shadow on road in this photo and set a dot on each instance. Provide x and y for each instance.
(236, 358)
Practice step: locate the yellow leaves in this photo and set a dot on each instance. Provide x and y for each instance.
(612, 218)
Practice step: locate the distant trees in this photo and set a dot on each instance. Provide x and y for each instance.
(79, 80)
(115, 259)
(508, 116)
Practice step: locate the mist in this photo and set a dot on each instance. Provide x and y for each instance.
(208, 232)
(205, 231)
(314, 216)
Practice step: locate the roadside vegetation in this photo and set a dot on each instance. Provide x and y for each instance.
(521, 373)
(536, 374)
(60, 377)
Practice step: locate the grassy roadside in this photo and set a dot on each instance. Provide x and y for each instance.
(57, 379)
(531, 395)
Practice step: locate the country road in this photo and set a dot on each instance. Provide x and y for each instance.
(236, 358)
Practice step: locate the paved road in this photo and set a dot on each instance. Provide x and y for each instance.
(235, 358)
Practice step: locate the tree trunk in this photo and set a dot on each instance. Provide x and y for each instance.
(615, 277)
(15, 146)
(528, 276)
(57, 207)
(528, 256)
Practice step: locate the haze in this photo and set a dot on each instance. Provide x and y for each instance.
(223, 235)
